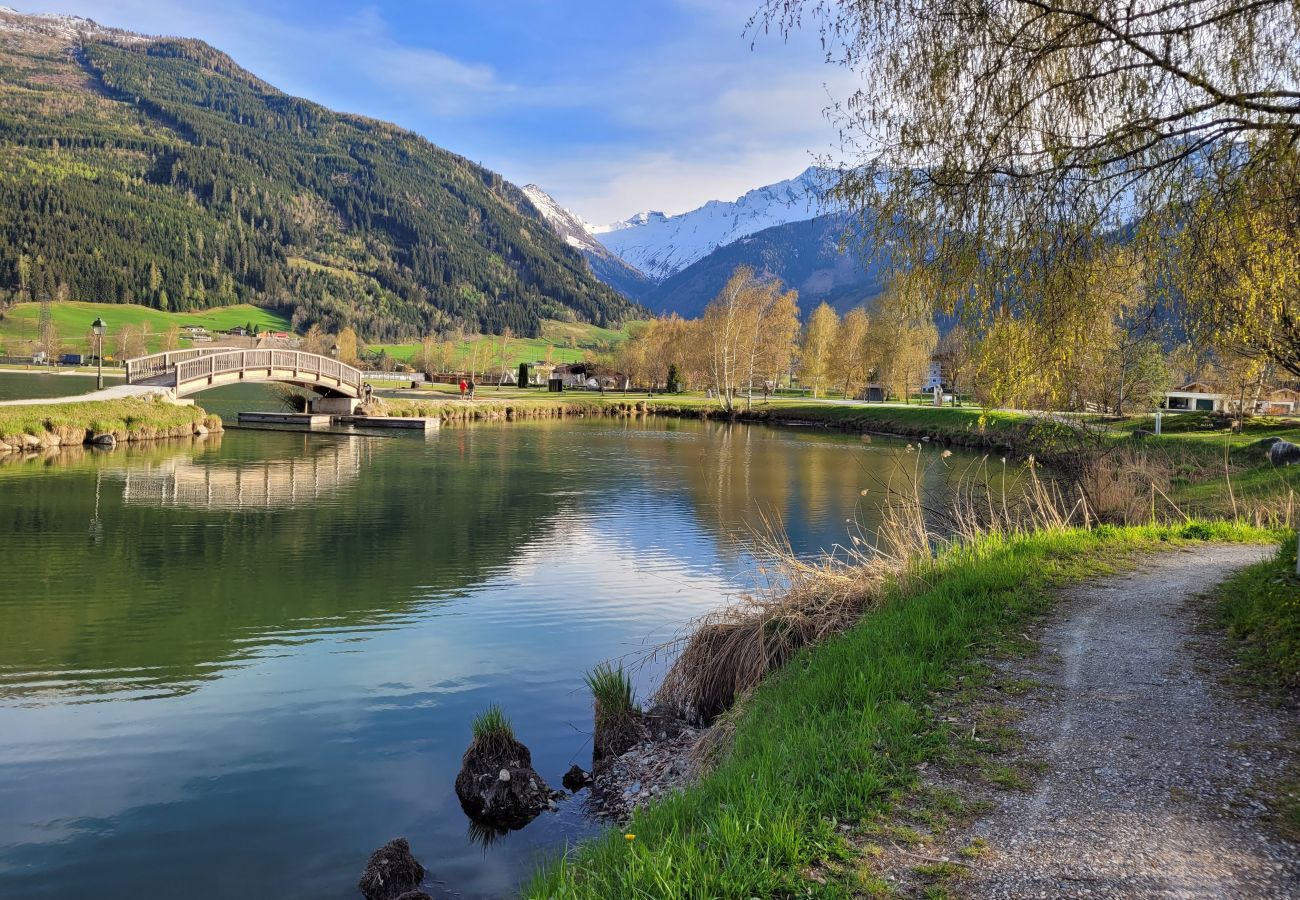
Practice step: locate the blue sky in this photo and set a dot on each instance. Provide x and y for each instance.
(613, 107)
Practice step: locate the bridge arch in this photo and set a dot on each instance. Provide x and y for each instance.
(190, 371)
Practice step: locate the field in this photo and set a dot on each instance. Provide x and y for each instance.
(566, 341)
(18, 326)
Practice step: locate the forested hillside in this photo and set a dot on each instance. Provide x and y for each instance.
(160, 172)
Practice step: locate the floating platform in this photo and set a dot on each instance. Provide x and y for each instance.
(311, 420)
(416, 422)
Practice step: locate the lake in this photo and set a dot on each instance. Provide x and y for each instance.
(233, 667)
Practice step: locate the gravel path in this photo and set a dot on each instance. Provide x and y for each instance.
(1153, 762)
(116, 392)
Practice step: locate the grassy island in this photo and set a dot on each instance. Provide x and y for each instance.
(37, 426)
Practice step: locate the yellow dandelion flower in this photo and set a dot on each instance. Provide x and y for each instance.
(630, 837)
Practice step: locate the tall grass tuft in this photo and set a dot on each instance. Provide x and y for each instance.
(291, 398)
(617, 716)
(493, 734)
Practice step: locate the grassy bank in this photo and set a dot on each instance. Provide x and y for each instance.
(835, 736)
(35, 426)
(1260, 607)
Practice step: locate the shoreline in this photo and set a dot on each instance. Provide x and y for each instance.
(797, 782)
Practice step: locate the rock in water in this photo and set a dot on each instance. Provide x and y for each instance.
(415, 895)
(1284, 453)
(392, 872)
(576, 778)
(498, 786)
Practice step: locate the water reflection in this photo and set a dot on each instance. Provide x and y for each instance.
(259, 656)
(328, 466)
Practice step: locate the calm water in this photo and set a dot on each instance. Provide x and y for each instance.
(235, 667)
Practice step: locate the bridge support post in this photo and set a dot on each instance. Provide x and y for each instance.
(335, 406)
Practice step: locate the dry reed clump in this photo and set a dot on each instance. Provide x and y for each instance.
(808, 601)
(1121, 485)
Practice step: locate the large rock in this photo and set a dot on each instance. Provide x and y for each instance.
(1284, 453)
(392, 872)
(107, 439)
(576, 778)
(498, 786)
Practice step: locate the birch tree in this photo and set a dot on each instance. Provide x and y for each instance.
(849, 352)
(817, 348)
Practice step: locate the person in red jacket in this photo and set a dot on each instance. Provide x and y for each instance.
(463, 387)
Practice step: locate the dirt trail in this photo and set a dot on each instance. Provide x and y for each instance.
(1153, 762)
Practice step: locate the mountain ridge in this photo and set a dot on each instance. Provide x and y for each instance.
(660, 245)
(805, 255)
(168, 174)
(605, 265)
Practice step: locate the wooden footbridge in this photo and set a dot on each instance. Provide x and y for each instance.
(189, 371)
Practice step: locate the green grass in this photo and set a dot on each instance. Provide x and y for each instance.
(611, 694)
(19, 324)
(127, 419)
(1260, 607)
(567, 341)
(491, 725)
(835, 737)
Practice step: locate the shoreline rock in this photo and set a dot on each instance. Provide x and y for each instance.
(392, 873)
(498, 786)
(649, 770)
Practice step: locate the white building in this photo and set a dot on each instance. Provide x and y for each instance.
(933, 377)
(1196, 396)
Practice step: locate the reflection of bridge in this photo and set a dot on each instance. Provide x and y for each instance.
(270, 484)
(190, 371)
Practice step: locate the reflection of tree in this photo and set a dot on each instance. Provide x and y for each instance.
(741, 476)
(185, 584)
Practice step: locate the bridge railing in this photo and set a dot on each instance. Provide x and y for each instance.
(210, 364)
(143, 367)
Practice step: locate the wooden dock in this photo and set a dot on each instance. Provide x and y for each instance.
(311, 420)
(324, 420)
(416, 422)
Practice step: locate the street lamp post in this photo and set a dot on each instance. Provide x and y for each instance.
(99, 326)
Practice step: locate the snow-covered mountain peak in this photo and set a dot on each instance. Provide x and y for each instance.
(660, 245)
(563, 221)
(62, 27)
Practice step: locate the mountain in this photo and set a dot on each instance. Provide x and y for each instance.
(661, 245)
(804, 255)
(156, 170)
(610, 269)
